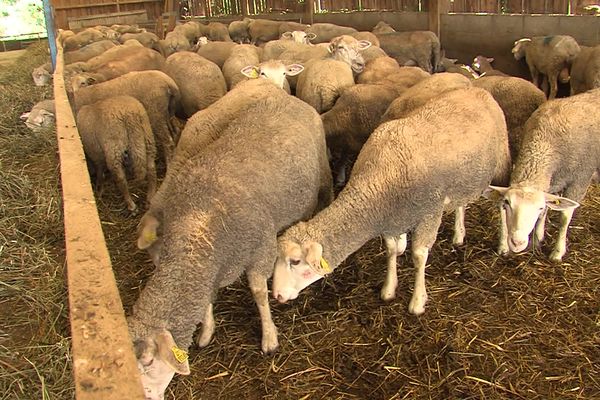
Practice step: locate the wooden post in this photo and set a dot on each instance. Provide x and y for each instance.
(309, 12)
(173, 14)
(436, 9)
(244, 4)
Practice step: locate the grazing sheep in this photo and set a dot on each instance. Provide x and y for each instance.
(560, 153)
(238, 31)
(351, 120)
(147, 39)
(483, 65)
(41, 75)
(216, 226)
(420, 48)
(241, 56)
(326, 32)
(382, 27)
(217, 52)
(547, 55)
(585, 71)
(518, 99)
(200, 81)
(89, 51)
(407, 174)
(82, 38)
(154, 89)
(423, 91)
(325, 79)
(40, 116)
(117, 137)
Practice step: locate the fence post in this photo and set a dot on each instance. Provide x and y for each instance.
(436, 8)
(309, 12)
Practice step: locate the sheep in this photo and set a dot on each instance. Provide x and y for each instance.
(291, 26)
(351, 120)
(117, 137)
(263, 30)
(326, 32)
(324, 79)
(407, 174)
(382, 27)
(296, 36)
(366, 35)
(274, 70)
(192, 30)
(200, 81)
(214, 227)
(560, 153)
(483, 65)
(82, 38)
(147, 39)
(377, 69)
(217, 52)
(122, 29)
(215, 31)
(403, 79)
(450, 65)
(173, 42)
(154, 89)
(40, 116)
(423, 91)
(89, 51)
(585, 71)
(41, 75)
(421, 48)
(108, 32)
(138, 59)
(518, 98)
(372, 53)
(238, 31)
(275, 48)
(547, 55)
(241, 56)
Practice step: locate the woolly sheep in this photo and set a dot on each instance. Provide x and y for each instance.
(147, 39)
(238, 31)
(366, 35)
(263, 30)
(407, 174)
(324, 80)
(241, 56)
(215, 31)
(483, 65)
(173, 42)
(200, 81)
(217, 52)
(585, 71)
(82, 38)
(89, 51)
(275, 48)
(326, 32)
(382, 27)
(216, 226)
(423, 91)
(518, 99)
(450, 65)
(274, 70)
(297, 36)
(547, 55)
(403, 79)
(40, 116)
(122, 29)
(560, 153)
(377, 69)
(154, 89)
(41, 75)
(420, 48)
(117, 137)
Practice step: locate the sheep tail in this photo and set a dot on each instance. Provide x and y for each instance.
(134, 155)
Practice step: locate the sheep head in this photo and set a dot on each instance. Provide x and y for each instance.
(519, 47)
(274, 70)
(347, 49)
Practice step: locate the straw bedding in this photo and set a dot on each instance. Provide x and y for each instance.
(495, 328)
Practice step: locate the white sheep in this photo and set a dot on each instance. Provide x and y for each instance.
(407, 174)
(219, 219)
(560, 153)
(241, 56)
(585, 71)
(40, 116)
(117, 137)
(298, 37)
(274, 70)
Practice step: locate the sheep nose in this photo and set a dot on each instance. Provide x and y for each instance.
(280, 298)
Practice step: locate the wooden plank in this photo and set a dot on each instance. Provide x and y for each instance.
(113, 4)
(309, 12)
(104, 365)
(436, 8)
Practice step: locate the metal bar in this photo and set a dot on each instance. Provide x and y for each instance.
(50, 30)
(104, 365)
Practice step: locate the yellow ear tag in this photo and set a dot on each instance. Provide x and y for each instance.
(180, 355)
(254, 73)
(325, 266)
(150, 236)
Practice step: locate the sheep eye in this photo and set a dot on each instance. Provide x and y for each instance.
(293, 263)
(506, 203)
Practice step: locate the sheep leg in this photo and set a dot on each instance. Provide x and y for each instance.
(503, 233)
(151, 178)
(459, 226)
(208, 327)
(540, 228)
(561, 242)
(258, 286)
(553, 85)
(121, 181)
(422, 240)
(394, 248)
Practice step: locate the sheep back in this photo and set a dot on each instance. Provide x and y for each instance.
(217, 52)
(585, 71)
(241, 56)
(322, 82)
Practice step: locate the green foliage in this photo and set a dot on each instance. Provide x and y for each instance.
(21, 17)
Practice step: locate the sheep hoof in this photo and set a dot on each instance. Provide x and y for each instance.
(387, 294)
(503, 251)
(417, 305)
(270, 344)
(205, 338)
(556, 256)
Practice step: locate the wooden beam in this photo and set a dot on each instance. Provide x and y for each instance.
(104, 365)
(309, 12)
(120, 2)
(436, 9)
(244, 4)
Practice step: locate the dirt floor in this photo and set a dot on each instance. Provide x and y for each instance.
(515, 327)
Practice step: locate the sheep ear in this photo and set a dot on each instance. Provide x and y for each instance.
(24, 116)
(147, 231)
(314, 253)
(559, 203)
(453, 60)
(331, 48)
(311, 35)
(251, 71)
(410, 63)
(494, 193)
(287, 35)
(490, 59)
(363, 44)
(293, 69)
(171, 354)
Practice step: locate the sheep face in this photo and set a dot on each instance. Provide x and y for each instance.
(523, 206)
(41, 77)
(299, 36)
(273, 70)
(347, 49)
(158, 359)
(297, 266)
(81, 80)
(37, 119)
(519, 48)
